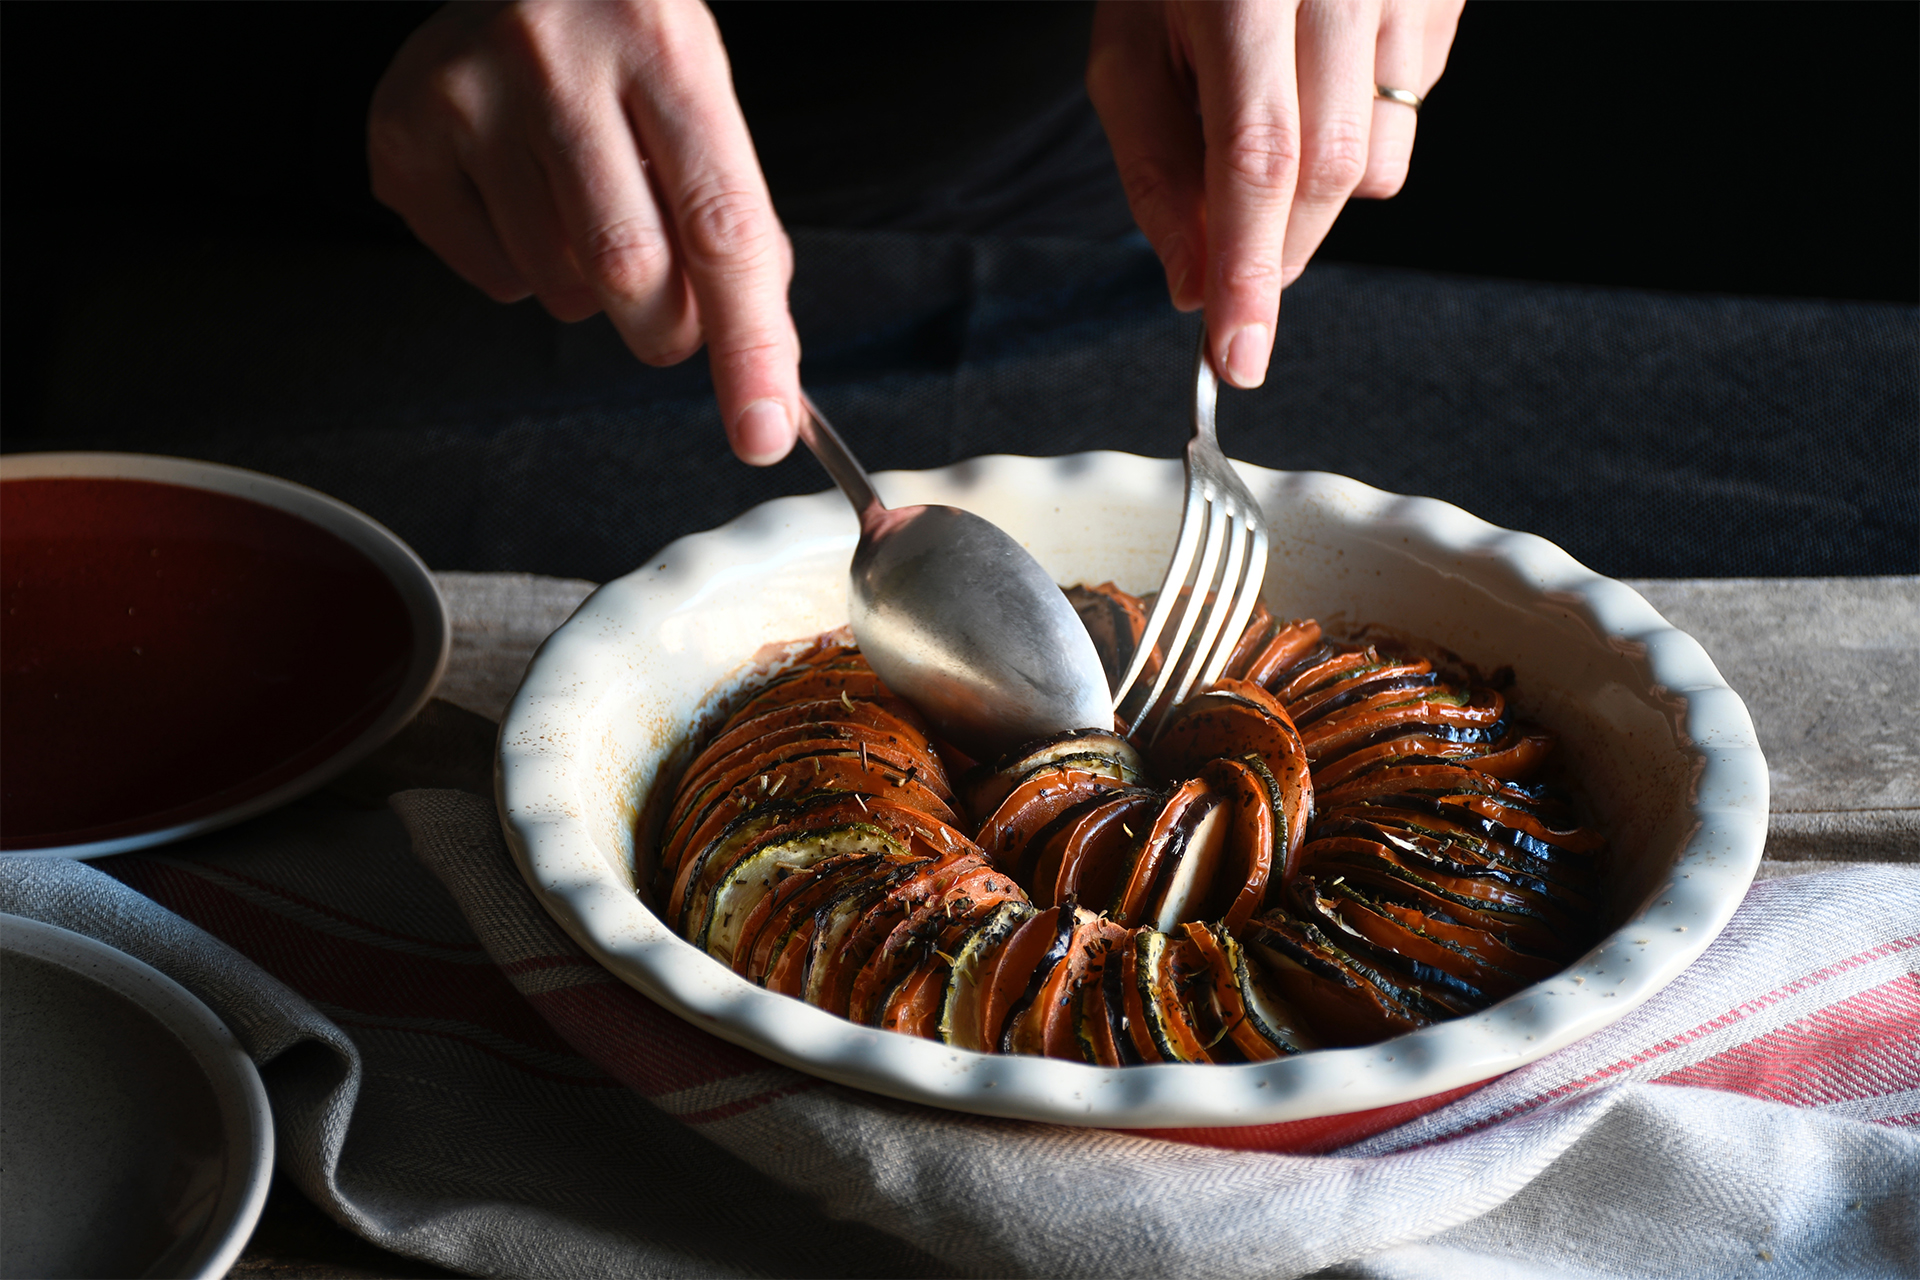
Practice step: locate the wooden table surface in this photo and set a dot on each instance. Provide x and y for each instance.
(1829, 668)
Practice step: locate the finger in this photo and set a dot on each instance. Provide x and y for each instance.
(1146, 108)
(618, 238)
(1442, 20)
(520, 205)
(731, 244)
(442, 208)
(1243, 59)
(1398, 61)
(1335, 66)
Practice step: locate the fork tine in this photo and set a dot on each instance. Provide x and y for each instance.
(1196, 604)
(1193, 519)
(1221, 593)
(1218, 608)
(1247, 594)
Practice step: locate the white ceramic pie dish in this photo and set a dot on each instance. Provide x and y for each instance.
(1666, 750)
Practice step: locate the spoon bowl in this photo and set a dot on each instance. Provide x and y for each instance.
(961, 621)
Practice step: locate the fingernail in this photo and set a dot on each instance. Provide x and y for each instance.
(1247, 357)
(763, 433)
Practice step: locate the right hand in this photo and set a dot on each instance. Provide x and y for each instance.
(594, 156)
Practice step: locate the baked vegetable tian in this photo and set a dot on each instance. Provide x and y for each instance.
(1336, 842)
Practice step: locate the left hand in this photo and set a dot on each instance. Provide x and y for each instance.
(1242, 127)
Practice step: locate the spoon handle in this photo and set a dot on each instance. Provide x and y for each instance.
(819, 436)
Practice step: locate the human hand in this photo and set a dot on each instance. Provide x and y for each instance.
(594, 156)
(1240, 130)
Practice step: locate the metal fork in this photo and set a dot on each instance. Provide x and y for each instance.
(1220, 560)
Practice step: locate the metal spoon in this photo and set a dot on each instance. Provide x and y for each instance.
(960, 620)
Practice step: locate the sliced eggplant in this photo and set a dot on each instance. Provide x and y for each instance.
(1013, 975)
(795, 890)
(1346, 1007)
(777, 959)
(836, 972)
(965, 891)
(1271, 1019)
(986, 787)
(800, 778)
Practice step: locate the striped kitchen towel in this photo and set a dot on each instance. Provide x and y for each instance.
(456, 1080)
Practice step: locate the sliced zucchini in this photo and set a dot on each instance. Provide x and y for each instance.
(1159, 1001)
(1271, 1018)
(755, 872)
(960, 1010)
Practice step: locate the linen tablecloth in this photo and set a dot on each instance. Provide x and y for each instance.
(453, 1080)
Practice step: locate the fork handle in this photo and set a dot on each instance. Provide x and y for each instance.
(1206, 392)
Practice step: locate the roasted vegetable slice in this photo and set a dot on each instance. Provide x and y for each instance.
(961, 1013)
(755, 872)
(1084, 857)
(1162, 965)
(1043, 795)
(987, 786)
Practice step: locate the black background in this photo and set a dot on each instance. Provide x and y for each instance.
(1768, 149)
(163, 162)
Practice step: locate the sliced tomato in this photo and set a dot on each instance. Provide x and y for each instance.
(1140, 885)
(1044, 795)
(1288, 646)
(1099, 835)
(888, 715)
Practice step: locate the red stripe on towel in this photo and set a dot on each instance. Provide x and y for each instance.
(1864, 1047)
(345, 974)
(636, 1041)
(1313, 1136)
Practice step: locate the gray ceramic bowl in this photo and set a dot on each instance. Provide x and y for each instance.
(137, 1139)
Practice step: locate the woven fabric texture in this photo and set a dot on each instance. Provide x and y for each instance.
(1651, 435)
(453, 1079)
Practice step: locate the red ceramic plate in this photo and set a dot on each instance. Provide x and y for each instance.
(186, 645)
